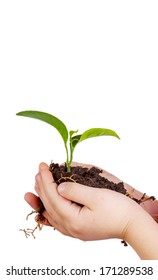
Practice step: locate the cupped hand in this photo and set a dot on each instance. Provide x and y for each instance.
(104, 214)
(148, 204)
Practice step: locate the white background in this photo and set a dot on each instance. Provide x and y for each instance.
(91, 64)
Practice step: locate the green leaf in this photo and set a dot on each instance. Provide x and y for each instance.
(50, 119)
(94, 132)
(72, 132)
(75, 139)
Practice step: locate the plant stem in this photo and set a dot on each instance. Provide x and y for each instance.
(71, 155)
(67, 159)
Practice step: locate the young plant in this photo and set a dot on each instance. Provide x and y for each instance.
(70, 138)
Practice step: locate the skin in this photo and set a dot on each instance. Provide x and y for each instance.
(98, 218)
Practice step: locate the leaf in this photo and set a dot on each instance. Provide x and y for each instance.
(74, 140)
(93, 132)
(50, 119)
(72, 132)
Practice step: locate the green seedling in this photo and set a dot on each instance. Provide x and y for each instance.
(70, 138)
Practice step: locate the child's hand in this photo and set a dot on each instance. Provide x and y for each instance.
(105, 214)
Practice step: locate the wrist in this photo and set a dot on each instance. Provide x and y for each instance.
(141, 233)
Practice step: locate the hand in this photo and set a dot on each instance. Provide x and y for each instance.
(105, 214)
(147, 203)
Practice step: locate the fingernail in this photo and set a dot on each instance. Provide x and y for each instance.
(61, 187)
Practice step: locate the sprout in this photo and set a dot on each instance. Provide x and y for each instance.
(70, 138)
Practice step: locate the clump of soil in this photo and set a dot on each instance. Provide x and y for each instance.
(85, 176)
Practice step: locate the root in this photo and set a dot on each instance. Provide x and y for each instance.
(142, 199)
(33, 212)
(30, 232)
(129, 194)
(66, 179)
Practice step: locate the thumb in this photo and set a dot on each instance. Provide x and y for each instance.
(78, 193)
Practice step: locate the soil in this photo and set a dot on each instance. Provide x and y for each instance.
(90, 177)
(85, 176)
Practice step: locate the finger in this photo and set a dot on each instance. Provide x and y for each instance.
(45, 176)
(33, 200)
(57, 206)
(46, 220)
(48, 191)
(43, 166)
(78, 193)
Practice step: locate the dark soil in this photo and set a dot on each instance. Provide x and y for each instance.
(90, 177)
(85, 176)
